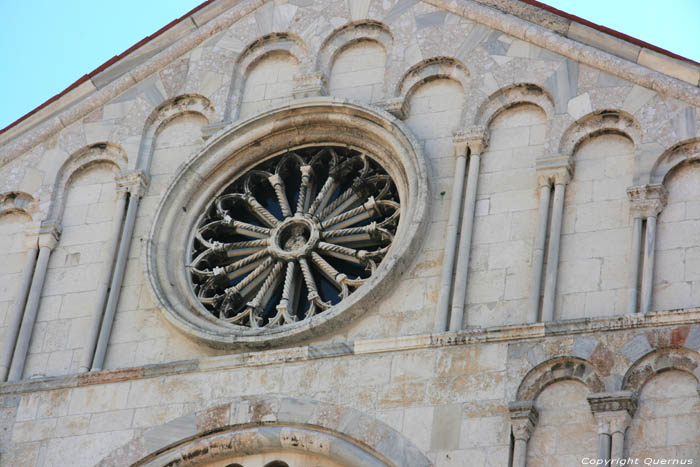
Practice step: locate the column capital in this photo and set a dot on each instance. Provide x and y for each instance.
(554, 170)
(613, 410)
(647, 200)
(397, 106)
(135, 182)
(474, 138)
(48, 235)
(523, 418)
(309, 85)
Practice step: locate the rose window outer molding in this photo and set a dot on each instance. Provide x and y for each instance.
(288, 225)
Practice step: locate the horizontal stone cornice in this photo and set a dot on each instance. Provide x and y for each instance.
(524, 332)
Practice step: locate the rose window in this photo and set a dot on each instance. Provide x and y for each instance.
(293, 236)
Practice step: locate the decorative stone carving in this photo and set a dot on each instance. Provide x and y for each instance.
(294, 236)
(555, 170)
(647, 200)
(613, 401)
(309, 85)
(523, 419)
(396, 106)
(135, 182)
(312, 241)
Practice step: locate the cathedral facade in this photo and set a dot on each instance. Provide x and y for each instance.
(357, 233)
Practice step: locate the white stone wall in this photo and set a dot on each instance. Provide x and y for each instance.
(358, 72)
(677, 273)
(67, 302)
(448, 394)
(12, 230)
(269, 83)
(506, 211)
(566, 431)
(596, 231)
(669, 418)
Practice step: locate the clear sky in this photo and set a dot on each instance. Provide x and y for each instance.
(45, 45)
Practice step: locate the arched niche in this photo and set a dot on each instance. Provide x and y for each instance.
(667, 385)
(607, 121)
(558, 369)
(431, 69)
(267, 65)
(357, 71)
(353, 60)
(283, 430)
(512, 96)
(676, 277)
(83, 159)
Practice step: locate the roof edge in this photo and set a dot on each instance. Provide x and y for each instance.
(584, 31)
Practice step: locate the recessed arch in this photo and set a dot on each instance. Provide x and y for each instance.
(269, 424)
(558, 369)
(609, 121)
(428, 70)
(349, 34)
(18, 202)
(671, 159)
(658, 361)
(511, 96)
(83, 159)
(266, 46)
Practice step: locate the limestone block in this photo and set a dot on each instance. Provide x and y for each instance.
(111, 421)
(669, 266)
(598, 216)
(487, 286)
(671, 296)
(82, 450)
(418, 426)
(35, 430)
(682, 70)
(512, 201)
(446, 427)
(412, 366)
(517, 283)
(579, 276)
(512, 254)
(104, 398)
(483, 431)
(603, 41)
(72, 425)
(459, 458)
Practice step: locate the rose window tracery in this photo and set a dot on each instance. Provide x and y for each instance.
(293, 236)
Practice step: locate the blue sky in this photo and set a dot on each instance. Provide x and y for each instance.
(45, 45)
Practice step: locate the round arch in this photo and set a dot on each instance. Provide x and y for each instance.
(255, 425)
(659, 361)
(558, 369)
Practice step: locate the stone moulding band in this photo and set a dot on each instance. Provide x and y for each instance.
(238, 148)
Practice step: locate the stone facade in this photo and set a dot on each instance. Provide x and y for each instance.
(539, 304)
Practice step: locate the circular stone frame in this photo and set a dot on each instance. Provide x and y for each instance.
(239, 147)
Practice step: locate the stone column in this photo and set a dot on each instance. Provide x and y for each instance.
(105, 275)
(448, 260)
(18, 308)
(561, 171)
(654, 200)
(545, 187)
(523, 419)
(48, 239)
(637, 213)
(136, 184)
(614, 412)
(477, 140)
